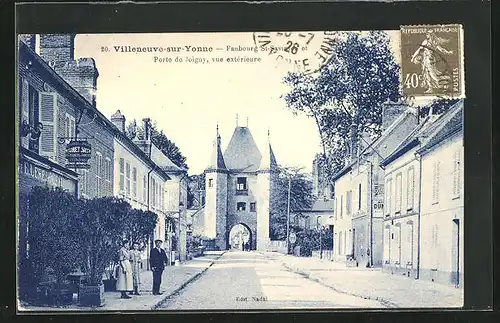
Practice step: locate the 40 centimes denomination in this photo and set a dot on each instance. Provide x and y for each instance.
(307, 52)
(432, 61)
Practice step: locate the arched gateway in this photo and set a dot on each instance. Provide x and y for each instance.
(238, 235)
(239, 187)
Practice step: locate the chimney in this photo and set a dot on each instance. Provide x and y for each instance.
(147, 129)
(390, 112)
(59, 52)
(118, 119)
(57, 49)
(29, 40)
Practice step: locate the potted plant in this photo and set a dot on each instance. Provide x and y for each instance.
(110, 279)
(102, 223)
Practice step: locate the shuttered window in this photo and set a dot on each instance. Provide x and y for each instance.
(48, 117)
(145, 189)
(122, 175)
(109, 188)
(399, 193)
(134, 182)
(127, 179)
(99, 175)
(348, 202)
(410, 188)
(388, 197)
(456, 174)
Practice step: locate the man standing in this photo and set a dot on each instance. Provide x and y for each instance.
(157, 260)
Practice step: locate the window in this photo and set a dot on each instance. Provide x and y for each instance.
(348, 202)
(318, 222)
(388, 197)
(210, 182)
(69, 126)
(340, 243)
(33, 113)
(122, 175)
(241, 206)
(127, 179)
(335, 208)
(241, 183)
(435, 181)
(83, 182)
(153, 193)
(134, 182)
(145, 189)
(399, 193)
(359, 196)
(98, 174)
(296, 220)
(48, 117)
(108, 177)
(253, 207)
(341, 206)
(410, 188)
(456, 174)
(307, 222)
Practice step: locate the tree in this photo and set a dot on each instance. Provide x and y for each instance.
(196, 183)
(53, 244)
(160, 139)
(301, 197)
(347, 95)
(102, 223)
(140, 225)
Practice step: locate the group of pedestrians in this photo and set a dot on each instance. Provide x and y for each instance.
(128, 275)
(245, 246)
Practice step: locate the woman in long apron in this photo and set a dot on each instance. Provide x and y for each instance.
(124, 282)
(135, 261)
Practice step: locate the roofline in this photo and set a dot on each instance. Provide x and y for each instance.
(342, 172)
(400, 152)
(86, 105)
(428, 148)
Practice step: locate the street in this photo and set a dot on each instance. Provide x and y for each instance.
(249, 280)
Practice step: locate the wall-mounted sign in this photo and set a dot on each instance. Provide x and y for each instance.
(78, 153)
(378, 199)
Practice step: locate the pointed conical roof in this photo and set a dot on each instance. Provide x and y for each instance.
(216, 160)
(268, 161)
(242, 153)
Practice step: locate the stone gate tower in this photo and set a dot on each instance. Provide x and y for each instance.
(240, 187)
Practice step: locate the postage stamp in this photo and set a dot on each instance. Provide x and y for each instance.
(306, 52)
(432, 61)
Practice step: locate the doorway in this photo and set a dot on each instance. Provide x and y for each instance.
(239, 235)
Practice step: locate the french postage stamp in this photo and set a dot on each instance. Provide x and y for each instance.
(432, 61)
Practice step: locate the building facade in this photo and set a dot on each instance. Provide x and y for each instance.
(442, 201)
(239, 186)
(359, 192)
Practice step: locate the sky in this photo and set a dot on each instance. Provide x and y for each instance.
(188, 100)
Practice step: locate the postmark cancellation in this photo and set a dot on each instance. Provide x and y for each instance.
(432, 61)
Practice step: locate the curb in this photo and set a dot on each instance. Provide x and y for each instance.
(183, 285)
(384, 302)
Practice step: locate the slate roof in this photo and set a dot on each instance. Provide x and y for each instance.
(321, 205)
(217, 160)
(242, 153)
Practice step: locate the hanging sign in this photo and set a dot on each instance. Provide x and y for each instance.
(78, 153)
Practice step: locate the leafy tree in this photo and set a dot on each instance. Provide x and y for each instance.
(141, 225)
(196, 183)
(102, 223)
(309, 240)
(347, 95)
(160, 139)
(301, 197)
(52, 239)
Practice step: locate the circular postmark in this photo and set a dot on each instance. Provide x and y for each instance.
(304, 52)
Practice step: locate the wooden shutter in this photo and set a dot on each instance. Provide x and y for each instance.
(48, 117)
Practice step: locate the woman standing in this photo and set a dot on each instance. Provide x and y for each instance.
(124, 279)
(135, 261)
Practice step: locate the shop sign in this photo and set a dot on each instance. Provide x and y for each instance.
(46, 176)
(78, 153)
(378, 199)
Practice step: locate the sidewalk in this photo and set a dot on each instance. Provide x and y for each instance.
(174, 279)
(391, 290)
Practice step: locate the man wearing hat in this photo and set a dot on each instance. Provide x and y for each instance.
(157, 260)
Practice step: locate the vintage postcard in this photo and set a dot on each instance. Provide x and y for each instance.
(236, 171)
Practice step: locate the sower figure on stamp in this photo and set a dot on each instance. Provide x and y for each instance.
(135, 261)
(427, 55)
(124, 279)
(157, 260)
